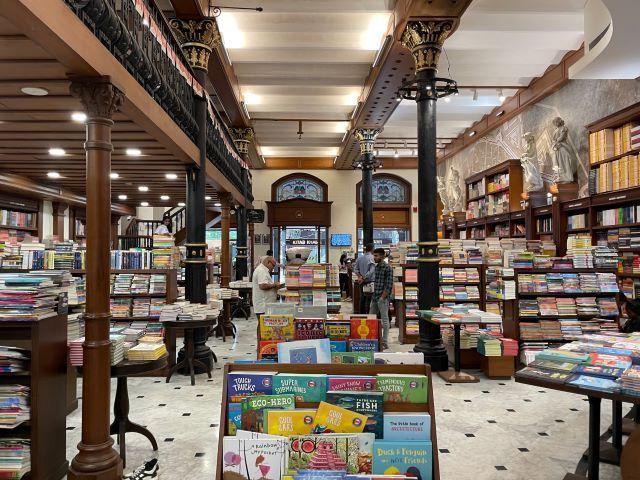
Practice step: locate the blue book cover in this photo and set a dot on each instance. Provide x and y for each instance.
(366, 403)
(245, 384)
(234, 411)
(363, 345)
(414, 427)
(338, 346)
(305, 351)
(598, 371)
(413, 459)
(589, 382)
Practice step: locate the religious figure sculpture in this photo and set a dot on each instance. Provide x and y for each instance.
(446, 208)
(532, 178)
(454, 192)
(565, 165)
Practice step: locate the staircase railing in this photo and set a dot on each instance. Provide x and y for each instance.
(139, 233)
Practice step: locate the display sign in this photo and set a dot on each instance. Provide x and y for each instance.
(303, 242)
(340, 239)
(255, 215)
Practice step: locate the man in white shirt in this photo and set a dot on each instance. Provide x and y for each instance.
(264, 289)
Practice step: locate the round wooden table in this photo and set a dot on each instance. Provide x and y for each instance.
(188, 326)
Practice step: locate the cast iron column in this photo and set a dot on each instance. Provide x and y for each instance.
(225, 257)
(425, 39)
(96, 459)
(242, 139)
(368, 163)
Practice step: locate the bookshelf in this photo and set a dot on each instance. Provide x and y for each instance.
(19, 217)
(494, 191)
(46, 342)
(407, 308)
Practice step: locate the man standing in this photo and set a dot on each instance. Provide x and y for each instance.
(364, 268)
(383, 284)
(264, 289)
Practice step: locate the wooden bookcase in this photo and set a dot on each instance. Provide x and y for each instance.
(335, 369)
(46, 340)
(482, 186)
(20, 216)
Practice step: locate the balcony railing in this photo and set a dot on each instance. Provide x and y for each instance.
(125, 27)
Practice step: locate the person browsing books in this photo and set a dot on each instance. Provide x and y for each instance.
(364, 268)
(264, 289)
(632, 309)
(383, 283)
(164, 228)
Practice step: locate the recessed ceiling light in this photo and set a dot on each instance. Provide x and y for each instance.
(217, 204)
(472, 133)
(79, 117)
(122, 197)
(181, 204)
(207, 197)
(170, 176)
(164, 197)
(133, 152)
(35, 91)
(144, 204)
(53, 175)
(143, 188)
(56, 152)
(114, 175)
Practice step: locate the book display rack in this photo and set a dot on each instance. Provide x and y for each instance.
(313, 285)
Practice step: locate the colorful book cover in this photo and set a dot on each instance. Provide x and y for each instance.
(338, 330)
(593, 383)
(324, 452)
(289, 422)
(305, 388)
(253, 409)
(357, 358)
(338, 346)
(412, 427)
(245, 384)
(234, 413)
(308, 328)
(363, 345)
(531, 372)
(366, 403)
(613, 361)
(566, 367)
(413, 459)
(305, 351)
(398, 358)
(403, 388)
(598, 371)
(253, 459)
(363, 329)
(333, 419)
(276, 327)
(351, 383)
(562, 356)
(268, 349)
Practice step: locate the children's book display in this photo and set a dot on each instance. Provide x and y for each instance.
(337, 421)
(292, 338)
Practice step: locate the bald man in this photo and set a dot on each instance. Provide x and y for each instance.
(264, 289)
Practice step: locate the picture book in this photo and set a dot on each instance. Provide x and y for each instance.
(565, 367)
(398, 358)
(562, 356)
(412, 427)
(324, 452)
(366, 403)
(613, 361)
(361, 316)
(268, 349)
(359, 358)
(234, 412)
(598, 371)
(333, 419)
(305, 351)
(413, 459)
(308, 328)
(403, 388)
(253, 409)
(276, 327)
(338, 346)
(593, 383)
(245, 384)
(338, 330)
(364, 328)
(305, 388)
(363, 345)
(289, 422)
(531, 372)
(255, 435)
(253, 459)
(354, 383)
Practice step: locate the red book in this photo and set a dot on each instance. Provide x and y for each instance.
(364, 329)
(268, 349)
(309, 329)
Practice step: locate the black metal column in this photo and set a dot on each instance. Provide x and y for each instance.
(367, 200)
(241, 238)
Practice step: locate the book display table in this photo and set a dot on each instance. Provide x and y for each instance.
(188, 360)
(242, 307)
(226, 326)
(436, 318)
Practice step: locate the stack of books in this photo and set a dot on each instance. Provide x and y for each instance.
(15, 458)
(147, 351)
(14, 405)
(489, 346)
(13, 360)
(26, 297)
(117, 348)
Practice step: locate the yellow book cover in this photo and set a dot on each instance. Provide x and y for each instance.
(333, 419)
(624, 172)
(276, 327)
(289, 422)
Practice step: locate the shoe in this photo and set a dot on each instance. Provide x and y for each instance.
(147, 470)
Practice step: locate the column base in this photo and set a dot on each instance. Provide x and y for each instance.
(434, 356)
(96, 462)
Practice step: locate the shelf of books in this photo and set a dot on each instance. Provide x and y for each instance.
(365, 419)
(313, 285)
(18, 218)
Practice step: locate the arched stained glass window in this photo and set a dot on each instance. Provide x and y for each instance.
(389, 190)
(300, 188)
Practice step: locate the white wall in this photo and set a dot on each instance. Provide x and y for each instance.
(342, 192)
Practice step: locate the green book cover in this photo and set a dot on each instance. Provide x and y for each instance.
(367, 403)
(305, 388)
(399, 388)
(359, 358)
(253, 408)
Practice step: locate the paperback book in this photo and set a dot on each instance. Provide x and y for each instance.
(366, 403)
(338, 330)
(363, 345)
(399, 388)
(309, 329)
(253, 409)
(414, 459)
(334, 419)
(234, 412)
(338, 346)
(593, 383)
(356, 383)
(276, 327)
(245, 384)
(359, 358)
(268, 349)
(253, 459)
(401, 426)
(305, 388)
(364, 328)
(289, 422)
(352, 453)
(305, 351)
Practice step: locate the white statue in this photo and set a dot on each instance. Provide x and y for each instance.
(532, 179)
(565, 165)
(454, 192)
(446, 208)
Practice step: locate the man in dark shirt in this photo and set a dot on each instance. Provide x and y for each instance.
(383, 284)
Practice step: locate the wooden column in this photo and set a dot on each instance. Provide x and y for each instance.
(58, 219)
(251, 255)
(96, 459)
(225, 256)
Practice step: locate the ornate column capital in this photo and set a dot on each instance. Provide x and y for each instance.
(197, 38)
(242, 137)
(424, 38)
(367, 138)
(99, 97)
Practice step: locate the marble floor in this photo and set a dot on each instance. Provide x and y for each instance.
(489, 430)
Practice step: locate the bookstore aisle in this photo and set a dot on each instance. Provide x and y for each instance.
(495, 429)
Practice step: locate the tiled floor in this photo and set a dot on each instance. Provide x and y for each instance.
(488, 430)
